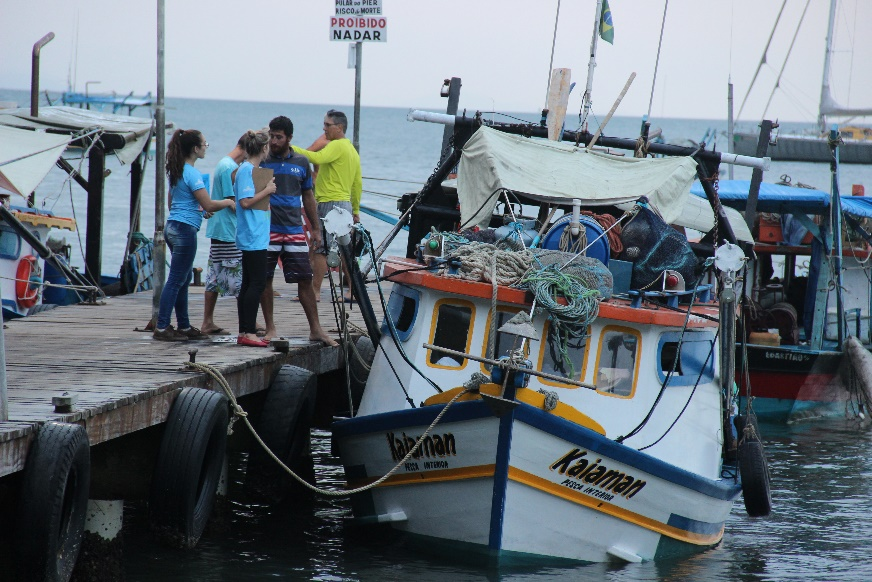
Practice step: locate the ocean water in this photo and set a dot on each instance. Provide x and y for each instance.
(819, 528)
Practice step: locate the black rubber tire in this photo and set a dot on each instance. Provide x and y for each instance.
(285, 426)
(188, 467)
(40, 308)
(53, 503)
(753, 468)
(357, 370)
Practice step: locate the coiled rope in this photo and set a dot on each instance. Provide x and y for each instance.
(240, 413)
(477, 264)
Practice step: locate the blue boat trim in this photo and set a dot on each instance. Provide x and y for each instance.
(410, 417)
(693, 525)
(501, 477)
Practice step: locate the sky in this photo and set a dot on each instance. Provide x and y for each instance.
(280, 51)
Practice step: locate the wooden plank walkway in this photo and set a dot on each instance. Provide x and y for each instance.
(124, 379)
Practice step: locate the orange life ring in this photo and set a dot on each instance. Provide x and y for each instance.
(27, 281)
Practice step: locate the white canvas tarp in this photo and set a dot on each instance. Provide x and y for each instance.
(557, 171)
(135, 130)
(27, 156)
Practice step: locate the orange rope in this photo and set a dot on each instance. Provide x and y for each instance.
(616, 246)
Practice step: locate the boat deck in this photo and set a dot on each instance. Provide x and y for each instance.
(125, 380)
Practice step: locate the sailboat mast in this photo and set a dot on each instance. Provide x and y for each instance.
(591, 65)
(825, 84)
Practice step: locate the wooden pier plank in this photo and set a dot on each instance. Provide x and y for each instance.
(123, 379)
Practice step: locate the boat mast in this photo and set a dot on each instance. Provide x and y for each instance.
(825, 84)
(591, 65)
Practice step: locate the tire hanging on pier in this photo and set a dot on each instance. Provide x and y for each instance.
(753, 467)
(188, 467)
(50, 520)
(284, 426)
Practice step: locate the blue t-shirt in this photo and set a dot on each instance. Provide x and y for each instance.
(252, 226)
(185, 207)
(222, 225)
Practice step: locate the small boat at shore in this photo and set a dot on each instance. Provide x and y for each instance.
(538, 391)
(805, 339)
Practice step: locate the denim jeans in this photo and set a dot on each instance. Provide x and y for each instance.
(182, 240)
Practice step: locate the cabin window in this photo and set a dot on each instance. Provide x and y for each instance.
(452, 329)
(695, 362)
(403, 311)
(617, 361)
(505, 342)
(552, 361)
(10, 243)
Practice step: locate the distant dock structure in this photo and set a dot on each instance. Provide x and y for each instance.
(130, 101)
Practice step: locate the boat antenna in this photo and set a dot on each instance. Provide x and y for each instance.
(551, 62)
(657, 62)
(825, 83)
(762, 60)
(591, 65)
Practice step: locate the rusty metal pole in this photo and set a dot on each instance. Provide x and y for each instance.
(34, 73)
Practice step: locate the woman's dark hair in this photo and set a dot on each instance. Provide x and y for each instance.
(253, 142)
(180, 147)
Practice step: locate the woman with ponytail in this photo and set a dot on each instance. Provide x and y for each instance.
(252, 236)
(187, 199)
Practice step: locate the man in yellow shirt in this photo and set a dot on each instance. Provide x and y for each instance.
(339, 182)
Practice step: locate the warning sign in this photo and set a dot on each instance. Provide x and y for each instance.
(358, 28)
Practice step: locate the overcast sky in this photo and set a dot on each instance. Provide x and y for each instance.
(281, 51)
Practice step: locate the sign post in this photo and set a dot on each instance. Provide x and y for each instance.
(358, 21)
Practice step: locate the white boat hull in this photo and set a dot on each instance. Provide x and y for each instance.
(516, 486)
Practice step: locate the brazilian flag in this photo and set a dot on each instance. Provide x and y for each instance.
(606, 29)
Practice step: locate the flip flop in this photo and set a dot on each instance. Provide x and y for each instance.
(218, 331)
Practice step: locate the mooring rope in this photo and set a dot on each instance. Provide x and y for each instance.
(239, 412)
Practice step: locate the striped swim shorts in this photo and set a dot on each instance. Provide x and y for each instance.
(293, 252)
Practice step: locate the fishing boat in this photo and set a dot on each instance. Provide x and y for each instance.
(516, 404)
(36, 267)
(856, 140)
(805, 335)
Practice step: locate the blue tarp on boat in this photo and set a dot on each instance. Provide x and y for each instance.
(784, 199)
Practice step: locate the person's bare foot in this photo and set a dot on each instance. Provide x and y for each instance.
(323, 338)
(269, 334)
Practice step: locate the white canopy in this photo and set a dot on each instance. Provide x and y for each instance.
(559, 172)
(133, 131)
(27, 156)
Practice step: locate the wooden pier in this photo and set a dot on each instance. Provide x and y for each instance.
(126, 381)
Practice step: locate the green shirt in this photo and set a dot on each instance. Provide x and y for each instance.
(339, 178)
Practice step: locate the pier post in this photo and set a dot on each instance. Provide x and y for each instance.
(137, 174)
(100, 557)
(93, 238)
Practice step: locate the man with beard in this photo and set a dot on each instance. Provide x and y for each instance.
(287, 239)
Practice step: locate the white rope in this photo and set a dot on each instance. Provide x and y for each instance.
(239, 412)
